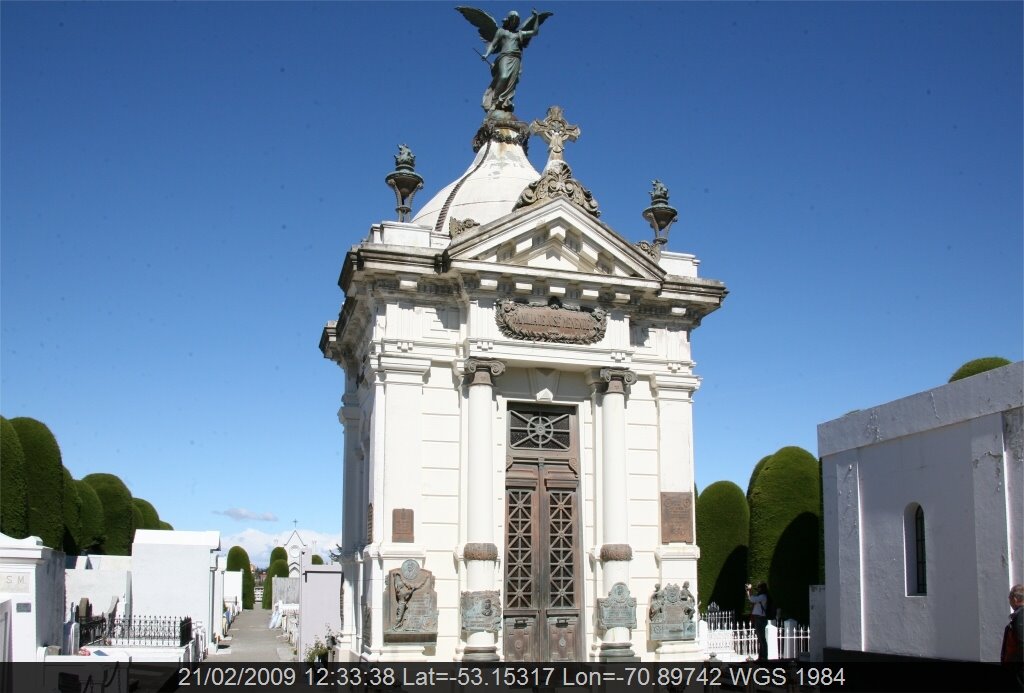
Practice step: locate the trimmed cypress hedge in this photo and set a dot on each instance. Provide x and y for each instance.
(13, 483)
(238, 559)
(44, 491)
(978, 366)
(723, 535)
(91, 537)
(317, 559)
(278, 554)
(137, 520)
(754, 474)
(165, 525)
(116, 499)
(150, 517)
(72, 510)
(784, 529)
(278, 568)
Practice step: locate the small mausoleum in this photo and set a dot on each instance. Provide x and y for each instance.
(518, 428)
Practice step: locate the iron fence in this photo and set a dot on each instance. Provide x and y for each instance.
(149, 631)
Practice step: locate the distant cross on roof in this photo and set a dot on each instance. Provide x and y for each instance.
(296, 523)
(555, 130)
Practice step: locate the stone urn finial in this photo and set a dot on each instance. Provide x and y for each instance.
(660, 214)
(404, 180)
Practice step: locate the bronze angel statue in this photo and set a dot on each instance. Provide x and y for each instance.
(507, 42)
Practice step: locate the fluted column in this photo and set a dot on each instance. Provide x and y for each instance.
(480, 552)
(616, 553)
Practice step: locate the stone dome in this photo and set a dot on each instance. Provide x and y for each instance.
(486, 191)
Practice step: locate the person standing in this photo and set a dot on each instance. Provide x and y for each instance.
(1012, 651)
(759, 611)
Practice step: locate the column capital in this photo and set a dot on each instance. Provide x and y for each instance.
(483, 370)
(617, 379)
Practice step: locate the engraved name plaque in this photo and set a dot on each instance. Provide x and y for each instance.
(411, 605)
(671, 614)
(402, 525)
(618, 610)
(550, 323)
(677, 516)
(481, 611)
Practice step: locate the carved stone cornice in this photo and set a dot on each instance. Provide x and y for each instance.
(480, 551)
(483, 370)
(616, 552)
(617, 379)
(557, 181)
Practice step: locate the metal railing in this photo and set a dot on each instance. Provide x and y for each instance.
(149, 631)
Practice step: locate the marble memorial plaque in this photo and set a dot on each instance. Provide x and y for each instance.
(618, 609)
(672, 612)
(411, 605)
(481, 611)
(677, 516)
(402, 525)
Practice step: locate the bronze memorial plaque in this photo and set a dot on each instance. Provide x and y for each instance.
(618, 609)
(411, 605)
(672, 613)
(550, 322)
(402, 525)
(677, 516)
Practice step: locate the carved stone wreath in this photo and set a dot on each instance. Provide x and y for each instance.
(550, 322)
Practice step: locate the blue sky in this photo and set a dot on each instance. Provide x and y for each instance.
(179, 184)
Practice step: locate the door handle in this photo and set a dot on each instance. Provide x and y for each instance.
(519, 623)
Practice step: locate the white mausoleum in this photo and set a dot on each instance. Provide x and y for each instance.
(518, 420)
(924, 519)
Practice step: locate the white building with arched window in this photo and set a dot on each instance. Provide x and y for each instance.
(924, 519)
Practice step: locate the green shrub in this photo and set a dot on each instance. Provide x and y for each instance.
(784, 529)
(13, 483)
(44, 492)
(317, 559)
(91, 538)
(72, 510)
(278, 568)
(150, 518)
(978, 366)
(238, 559)
(278, 554)
(116, 500)
(754, 474)
(165, 525)
(137, 520)
(723, 534)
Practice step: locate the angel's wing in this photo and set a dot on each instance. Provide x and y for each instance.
(483, 22)
(533, 24)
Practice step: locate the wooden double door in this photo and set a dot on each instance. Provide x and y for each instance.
(543, 590)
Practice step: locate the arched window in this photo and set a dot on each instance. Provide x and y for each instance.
(914, 544)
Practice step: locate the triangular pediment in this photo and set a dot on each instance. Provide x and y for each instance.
(557, 236)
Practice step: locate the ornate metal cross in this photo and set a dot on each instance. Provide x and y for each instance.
(555, 130)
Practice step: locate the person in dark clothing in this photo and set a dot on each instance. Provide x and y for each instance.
(1012, 651)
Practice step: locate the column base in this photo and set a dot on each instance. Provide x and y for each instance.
(680, 651)
(617, 652)
(481, 654)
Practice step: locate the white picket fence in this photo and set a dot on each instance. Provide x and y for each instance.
(737, 641)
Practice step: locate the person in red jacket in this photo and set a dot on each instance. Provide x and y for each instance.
(1012, 652)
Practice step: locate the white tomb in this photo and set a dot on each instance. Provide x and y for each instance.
(517, 416)
(31, 598)
(924, 519)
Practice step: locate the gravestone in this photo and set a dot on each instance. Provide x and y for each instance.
(618, 609)
(671, 614)
(411, 605)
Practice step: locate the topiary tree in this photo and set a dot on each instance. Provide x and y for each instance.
(116, 499)
(723, 535)
(278, 554)
(72, 510)
(44, 492)
(317, 559)
(238, 559)
(137, 520)
(91, 538)
(754, 474)
(278, 568)
(13, 483)
(150, 518)
(784, 522)
(165, 525)
(978, 366)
